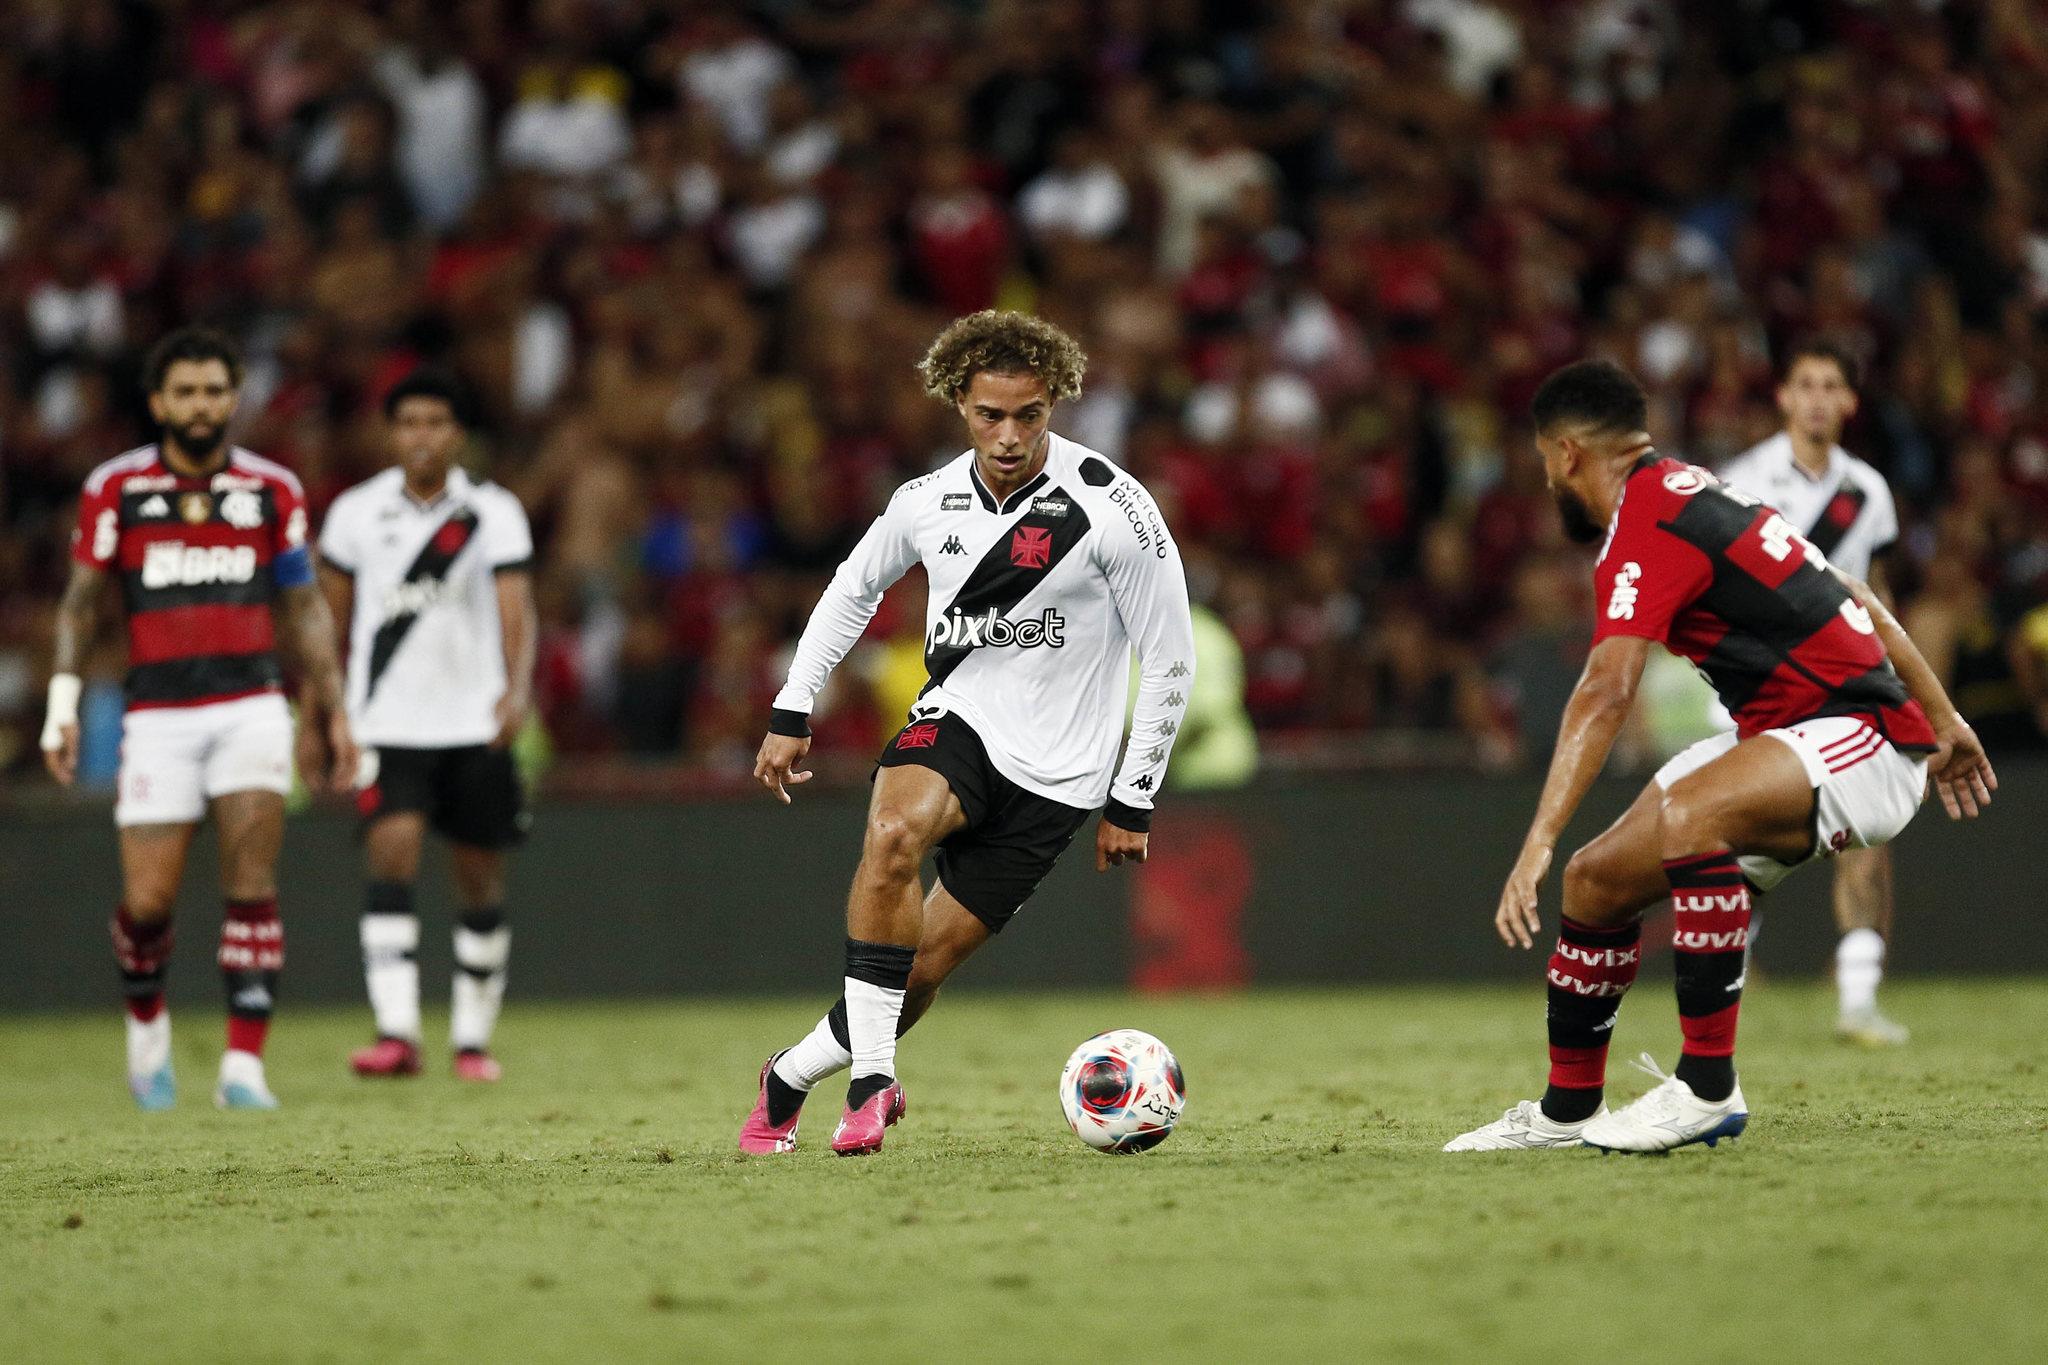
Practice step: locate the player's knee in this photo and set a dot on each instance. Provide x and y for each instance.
(894, 847)
(1592, 895)
(147, 904)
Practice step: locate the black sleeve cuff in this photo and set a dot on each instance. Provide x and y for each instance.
(514, 566)
(331, 562)
(1127, 817)
(795, 724)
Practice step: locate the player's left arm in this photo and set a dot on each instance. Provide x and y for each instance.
(1150, 588)
(306, 632)
(509, 542)
(1592, 718)
(1960, 770)
(516, 622)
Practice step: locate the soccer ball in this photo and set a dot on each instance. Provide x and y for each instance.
(1122, 1092)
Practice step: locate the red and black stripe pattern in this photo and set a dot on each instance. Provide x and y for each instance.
(196, 561)
(1778, 635)
(1590, 970)
(1710, 910)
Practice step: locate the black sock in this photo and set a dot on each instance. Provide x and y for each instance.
(860, 1091)
(1569, 1104)
(784, 1099)
(1711, 1078)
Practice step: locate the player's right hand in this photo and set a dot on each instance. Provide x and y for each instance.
(1515, 921)
(62, 759)
(775, 765)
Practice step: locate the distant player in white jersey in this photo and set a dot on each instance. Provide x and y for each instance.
(1047, 565)
(432, 571)
(1844, 508)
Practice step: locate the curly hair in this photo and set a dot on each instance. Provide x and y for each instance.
(1005, 343)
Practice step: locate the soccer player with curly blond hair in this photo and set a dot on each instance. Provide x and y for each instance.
(1047, 564)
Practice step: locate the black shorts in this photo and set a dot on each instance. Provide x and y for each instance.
(471, 794)
(1012, 836)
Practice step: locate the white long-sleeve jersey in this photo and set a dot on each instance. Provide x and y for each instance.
(1036, 602)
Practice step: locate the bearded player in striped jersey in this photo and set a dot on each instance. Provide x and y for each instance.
(1047, 565)
(1844, 509)
(209, 544)
(1839, 724)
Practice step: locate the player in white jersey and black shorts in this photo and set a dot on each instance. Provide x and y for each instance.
(432, 572)
(1844, 509)
(1047, 564)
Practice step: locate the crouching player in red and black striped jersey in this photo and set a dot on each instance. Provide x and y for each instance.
(1839, 722)
(209, 544)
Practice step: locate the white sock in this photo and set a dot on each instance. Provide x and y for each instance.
(393, 974)
(819, 1055)
(245, 1067)
(149, 1045)
(871, 1014)
(1859, 966)
(479, 985)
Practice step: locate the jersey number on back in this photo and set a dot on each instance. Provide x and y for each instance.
(1780, 540)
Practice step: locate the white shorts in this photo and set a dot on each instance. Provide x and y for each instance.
(174, 759)
(1865, 791)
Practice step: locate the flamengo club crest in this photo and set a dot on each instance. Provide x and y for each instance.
(195, 507)
(1031, 547)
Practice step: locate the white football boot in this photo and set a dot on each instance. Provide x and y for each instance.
(242, 1085)
(1522, 1128)
(1668, 1116)
(1869, 1028)
(149, 1063)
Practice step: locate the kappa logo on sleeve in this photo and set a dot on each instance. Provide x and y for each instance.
(920, 736)
(1031, 547)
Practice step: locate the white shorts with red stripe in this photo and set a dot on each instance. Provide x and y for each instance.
(175, 759)
(1865, 791)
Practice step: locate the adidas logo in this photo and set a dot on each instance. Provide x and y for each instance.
(155, 507)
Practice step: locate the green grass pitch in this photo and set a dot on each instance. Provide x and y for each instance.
(1887, 1206)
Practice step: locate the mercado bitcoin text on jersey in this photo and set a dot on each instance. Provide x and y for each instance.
(1727, 582)
(200, 560)
(1036, 601)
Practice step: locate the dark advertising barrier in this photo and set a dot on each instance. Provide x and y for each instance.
(1380, 878)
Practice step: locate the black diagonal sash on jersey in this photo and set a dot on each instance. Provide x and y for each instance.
(999, 583)
(1836, 517)
(431, 566)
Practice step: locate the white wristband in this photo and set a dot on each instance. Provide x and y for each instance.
(64, 691)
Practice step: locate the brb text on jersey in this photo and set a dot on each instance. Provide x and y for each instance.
(200, 561)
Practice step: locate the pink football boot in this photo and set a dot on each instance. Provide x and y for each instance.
(386, 1057)
(758, 1137)
(475, 1064)
(860, 1130)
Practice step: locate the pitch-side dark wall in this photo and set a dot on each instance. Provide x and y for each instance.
(1387, 878)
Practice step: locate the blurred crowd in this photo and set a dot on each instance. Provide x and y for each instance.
(1319, 252)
